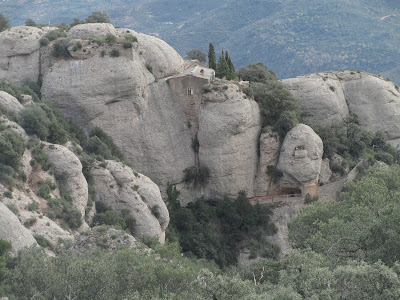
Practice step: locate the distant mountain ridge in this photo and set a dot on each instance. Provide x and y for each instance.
(290, 37)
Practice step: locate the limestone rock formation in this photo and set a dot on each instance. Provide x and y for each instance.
(91, 30)
(68, 170)
(12, 230)
(122, 96)
(19, 54)
(375, 101)
(118, 187)
(321, 98)
(326, 173)
(229, 125)
(301, 155)
(9, 103)
(269, 154)
(331, 96)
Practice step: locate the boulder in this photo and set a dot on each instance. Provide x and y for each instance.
(19, 54)
(68, 171)
(269, 154)
(91, 30)
(301, 155)
(375, 101)
(12, 230)
(321, 98)
(119, 188)
(229, 125)
(326, 173)
(157, 55)
(9, 103)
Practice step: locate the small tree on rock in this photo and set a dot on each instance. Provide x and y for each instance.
(197, 54)
(4, 23)
(98, 17)
(212, 61)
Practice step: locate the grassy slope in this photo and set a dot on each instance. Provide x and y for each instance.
(291, 37)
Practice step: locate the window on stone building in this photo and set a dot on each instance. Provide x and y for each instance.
(190, 91)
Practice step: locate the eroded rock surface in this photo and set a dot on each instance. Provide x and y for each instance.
(19, 54)
(9, 103)
(301, 155)
(13, 231)
(229, 125)
(269, 154)
(329, 97)
(120, 189)
(68, 170)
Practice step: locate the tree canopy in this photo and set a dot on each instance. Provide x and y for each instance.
(4, 23)
(197, 54)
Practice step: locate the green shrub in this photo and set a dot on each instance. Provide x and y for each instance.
(13, 208)
(274, 173)
(109, 218)
(35, 121)
(114, 53)
(60, 49)
(130, 38)
(102, 53)
(196, 175)
(110, 39)
(102, 142)
(195, 144)
(149, 68)
(155, 210)
(11, 148)
(207, 88)
(33, 206)
(30, 222)
(41, 158)
(8, 194)
(44, 191)
(127, 45)
(42, 241)
(44, 41)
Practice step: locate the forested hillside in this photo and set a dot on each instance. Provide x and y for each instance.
(290, 37)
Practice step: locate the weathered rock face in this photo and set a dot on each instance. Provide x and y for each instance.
(9, 103)
(12, 230)
(331, 96)
(269, 154)
(91, 30)
(375, 101)
(301, 155)
(326, 173)
(229, 125)
(119, 188)
(321, 98)
(68, 170)
(19, 54)
(122, 96)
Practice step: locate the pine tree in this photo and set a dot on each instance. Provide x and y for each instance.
(212, 61)
(230, 65)
(222, 67)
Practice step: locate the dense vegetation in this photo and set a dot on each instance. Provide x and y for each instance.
(291, 37)
(279, 109)
(351, 142)
(219, 231)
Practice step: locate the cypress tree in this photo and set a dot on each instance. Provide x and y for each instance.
(230, 65)
(212, 61)
(222, 67)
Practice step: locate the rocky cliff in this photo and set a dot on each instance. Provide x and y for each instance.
(329, 97)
